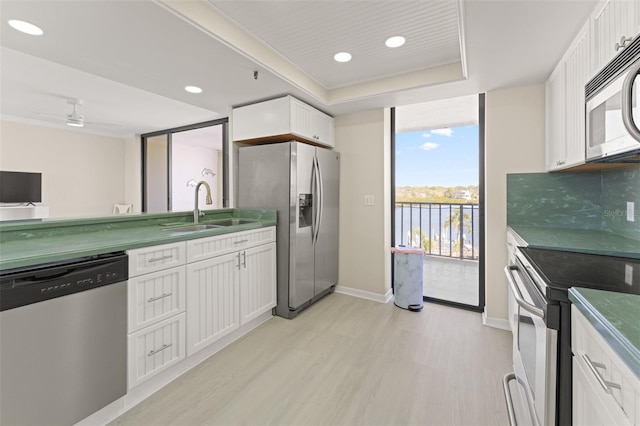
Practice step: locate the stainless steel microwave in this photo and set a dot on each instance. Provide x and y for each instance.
(612, 111)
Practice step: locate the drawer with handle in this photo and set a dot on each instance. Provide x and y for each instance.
(156, 348)
(156, 296)
(610, 380)
(205, 248)
(156, 258)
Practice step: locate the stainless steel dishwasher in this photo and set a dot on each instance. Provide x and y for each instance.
(63, 339)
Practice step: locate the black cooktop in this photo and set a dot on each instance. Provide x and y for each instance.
(563, 269)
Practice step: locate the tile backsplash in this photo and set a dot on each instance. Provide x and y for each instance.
(576, 200)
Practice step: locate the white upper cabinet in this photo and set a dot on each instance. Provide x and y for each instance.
(564, 90)
(611, 22)
(280, 120)
(554, 116)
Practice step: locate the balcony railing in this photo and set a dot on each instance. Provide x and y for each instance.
(440, 229)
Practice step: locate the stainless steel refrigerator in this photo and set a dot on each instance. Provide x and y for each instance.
(300, 181)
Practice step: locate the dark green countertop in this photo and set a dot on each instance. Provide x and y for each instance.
(33, 242)
(578, 240)
(616, 316)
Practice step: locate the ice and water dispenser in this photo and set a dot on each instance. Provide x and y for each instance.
(305, 209)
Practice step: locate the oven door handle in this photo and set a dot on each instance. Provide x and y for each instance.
(627, 101)
(532, 309)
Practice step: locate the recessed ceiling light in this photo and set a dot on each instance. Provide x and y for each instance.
(25, 27)
(395, 41)
(193, 89)
(342, 57)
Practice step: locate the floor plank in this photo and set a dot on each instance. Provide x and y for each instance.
(345, 361)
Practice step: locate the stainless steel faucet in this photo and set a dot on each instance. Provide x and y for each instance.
(196, 211)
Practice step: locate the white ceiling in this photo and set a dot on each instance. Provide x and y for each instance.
(129, 60)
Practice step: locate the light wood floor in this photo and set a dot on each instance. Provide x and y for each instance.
(345, 361)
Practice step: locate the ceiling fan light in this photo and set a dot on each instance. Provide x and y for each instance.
(74, 122)
(25, 27)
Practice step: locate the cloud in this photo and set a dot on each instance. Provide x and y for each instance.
(427, 146)
(426, 135)
(444, 132)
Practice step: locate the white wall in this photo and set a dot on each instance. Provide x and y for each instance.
(514, 143)
(363, 140)
(188, 161)
(82, 174)
(133, 173)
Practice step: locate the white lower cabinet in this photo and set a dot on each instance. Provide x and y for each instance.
(228, 291)
(257, 281)
(185, 296)
(212, 300)
(605, 390)
(155, 348)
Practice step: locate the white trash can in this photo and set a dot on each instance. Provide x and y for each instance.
(408, 266)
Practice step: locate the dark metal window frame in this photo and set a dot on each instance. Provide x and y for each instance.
(481, 212)
(169, 133)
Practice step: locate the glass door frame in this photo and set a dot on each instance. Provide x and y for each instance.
(481, 210)
(169, 132)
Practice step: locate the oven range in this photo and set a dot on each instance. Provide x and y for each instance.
(539, 280)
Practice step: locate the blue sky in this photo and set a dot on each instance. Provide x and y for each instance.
(441, 157)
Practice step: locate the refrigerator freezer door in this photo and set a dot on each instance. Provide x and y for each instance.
(326, 244)
(301, 287)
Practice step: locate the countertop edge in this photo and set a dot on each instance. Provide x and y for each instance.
(627, 352)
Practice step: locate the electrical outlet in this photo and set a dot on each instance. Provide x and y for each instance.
(368, 200)
(631, 213)
(628, 274)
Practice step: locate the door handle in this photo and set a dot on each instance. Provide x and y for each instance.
(627, 101)
(532, 309)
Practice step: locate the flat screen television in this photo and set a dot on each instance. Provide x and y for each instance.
(20, 187)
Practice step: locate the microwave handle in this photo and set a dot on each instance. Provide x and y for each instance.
(627, 98)
(532, 309)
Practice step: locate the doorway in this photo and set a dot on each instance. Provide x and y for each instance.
(175, 160)
(437, 190)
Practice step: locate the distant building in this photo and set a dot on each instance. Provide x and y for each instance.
(462, 195)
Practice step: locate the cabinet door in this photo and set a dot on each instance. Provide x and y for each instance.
(555, 130)
(155, 348)
(212, 300)
(311, 124)
(257, 281)
(156, 296)
(324, 126)
(612, 20)
(577, 74)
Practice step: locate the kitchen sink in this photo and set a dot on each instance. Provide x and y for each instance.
(192, 228)
(233, 222)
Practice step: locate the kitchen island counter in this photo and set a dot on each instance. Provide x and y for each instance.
(28, 243)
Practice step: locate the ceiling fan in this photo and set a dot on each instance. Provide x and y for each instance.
(75, 119)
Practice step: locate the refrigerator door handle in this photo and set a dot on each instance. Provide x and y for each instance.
(315, 200)
(321, 201)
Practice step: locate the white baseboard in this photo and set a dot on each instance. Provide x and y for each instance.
(500, 323)
(363, 294)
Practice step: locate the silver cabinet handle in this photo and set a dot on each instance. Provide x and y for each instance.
(507, 396)
(155, 351)
(606, 385)
(158, 259)
(241, 242)
(627, 102)
(238, 265)
(244, 259)
(534, 310)
(162, 296)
